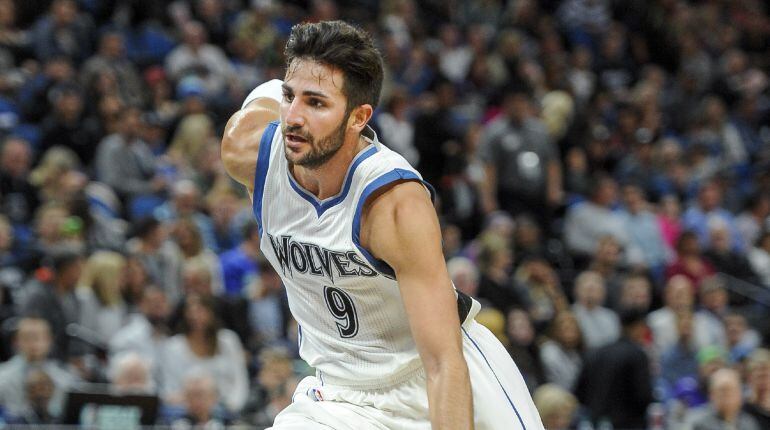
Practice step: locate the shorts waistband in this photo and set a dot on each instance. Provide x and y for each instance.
(374, 384)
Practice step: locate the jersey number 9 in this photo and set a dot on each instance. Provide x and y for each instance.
(343, 310)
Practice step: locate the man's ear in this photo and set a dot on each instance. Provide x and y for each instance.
(360, 116)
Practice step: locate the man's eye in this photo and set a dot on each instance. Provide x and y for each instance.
(288, 97)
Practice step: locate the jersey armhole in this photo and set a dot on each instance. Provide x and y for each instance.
(384, 180)
(263, 162)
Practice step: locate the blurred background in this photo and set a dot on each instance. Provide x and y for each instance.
(603, 178)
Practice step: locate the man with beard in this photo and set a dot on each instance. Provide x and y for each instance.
(349, 226)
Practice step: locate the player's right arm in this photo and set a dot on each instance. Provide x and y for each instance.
(240, 142)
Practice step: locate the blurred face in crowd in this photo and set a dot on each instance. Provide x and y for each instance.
(197, 280)
(710, 196)
(720, 239)
(736, 326)
(633, 197)
(7, 13)
(112, 45)
(725, 392)
(679, 293)
(15, 158)
(49, 222)
(759, 373)
(606, 192)
(636, 293)
(33, 339)
(669, 207)
(688, 246)
(132, 375)
(608, 252)
(566, 330)
(590, 290)
(40, 388)
(199, 317)
(64, 11)
(200, 397)
(194, 34)
(69, 105)
(519, 328)
(713, 298)
(154, 305)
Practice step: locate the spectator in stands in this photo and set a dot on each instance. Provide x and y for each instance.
(54, 300)
(63, 31)
(241, 264)
(561, 354)
(636, 293)
(607, 261)
(757, 402)
(714, 307)
(195, 57)
(273, 385)
(146, 331)
(723, 256)
(521, 163)
(495, 261)
(111, 58)
(99, 293)
(680, 360)
(125, 162)
(706, 208)
(752, 221)
(523, 348)
(600, 326)
(189, 240)
(587, 222)
(268, 306)
(131, 373)
(67, 124)
(742, 340)
(669, 220)
(615, 382)
(19, 196)
(725, 402)
(690, 261)
(186, 203)
(202, 344)
(678, 297)
(200, 398)
(159, 256)
(543, 295)
(464, 275)
(644, 231)
(39, 390)
(759, 257)
(33, 345)
(557, 406)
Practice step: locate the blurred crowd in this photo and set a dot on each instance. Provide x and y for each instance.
(603, 178)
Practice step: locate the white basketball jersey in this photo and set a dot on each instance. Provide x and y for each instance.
(353, 328)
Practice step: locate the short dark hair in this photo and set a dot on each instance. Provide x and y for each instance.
(345, 47)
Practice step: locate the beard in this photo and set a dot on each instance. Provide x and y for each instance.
(321, 150)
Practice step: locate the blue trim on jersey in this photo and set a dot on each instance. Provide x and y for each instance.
(299, 336)
(322, 206)
(386, 179)
(263, 162)
(495, 375)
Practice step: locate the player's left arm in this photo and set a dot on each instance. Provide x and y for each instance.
(400, 227)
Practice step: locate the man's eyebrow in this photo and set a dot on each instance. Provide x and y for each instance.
(306, 92)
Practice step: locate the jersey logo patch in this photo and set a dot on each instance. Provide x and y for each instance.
(309, 258)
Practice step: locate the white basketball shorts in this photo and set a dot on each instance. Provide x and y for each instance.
(500, 397)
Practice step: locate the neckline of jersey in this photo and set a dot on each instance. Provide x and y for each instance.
(322, 206)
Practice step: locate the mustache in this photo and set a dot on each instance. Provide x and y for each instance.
(296, 129)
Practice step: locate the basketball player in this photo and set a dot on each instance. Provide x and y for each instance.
(349, 226)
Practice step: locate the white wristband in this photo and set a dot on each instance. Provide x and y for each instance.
(271, 90)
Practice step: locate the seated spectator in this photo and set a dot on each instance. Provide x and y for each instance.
(757, 402)
(541, 290)
(274, 382)
(269, 313)
(495, 262)
(33, 345)
(146, 332)
(615, 382)
(186, 202)
(557, 406)
(680, 360)
(64, 30)
(725, 403)
(690, 262)
(241, 264)
(41, 407)
(131, 373)
(20, 198)
(752, 221)
(125, 162)
(99, 293)
(607, 261)
(189, 240)
(742, 340)
(54, 300)
(201, 396)
(523, 349)
(679, 297)
(759, 257)
(642, 226)
(202, 344)
(707, 209)
(159, 256)
(600, 326)
(561, 354)
(635, 293)
(67, 125)
(587, 222)
(723, 256)
(669, 221)
(714, 308)
(194, 57)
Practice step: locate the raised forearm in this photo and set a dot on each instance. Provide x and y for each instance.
(449, 396)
